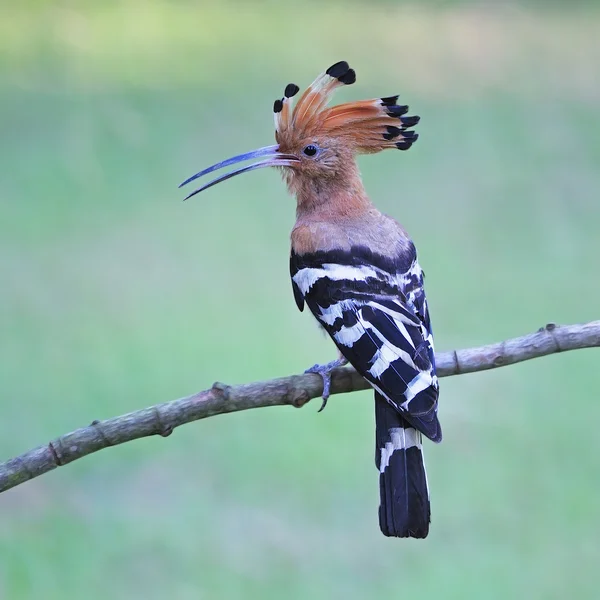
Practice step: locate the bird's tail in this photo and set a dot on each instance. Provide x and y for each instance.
(404, 506)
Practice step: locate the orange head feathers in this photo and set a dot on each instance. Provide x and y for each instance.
(317, 141)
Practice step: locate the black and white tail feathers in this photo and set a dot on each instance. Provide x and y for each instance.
(404, 504)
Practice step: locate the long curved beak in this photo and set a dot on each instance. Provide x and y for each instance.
(274, 158)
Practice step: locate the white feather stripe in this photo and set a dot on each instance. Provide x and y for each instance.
(396, 314)
(402, 329)
(307, 277)
(336, 311)
(331, 313)
(413, 271)
(400, 439)
(425, 473)
(387, 355)
(421, 382)
(429, 337)
(347, 336)
(385, 343)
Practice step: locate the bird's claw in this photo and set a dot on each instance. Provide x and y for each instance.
(325, 372)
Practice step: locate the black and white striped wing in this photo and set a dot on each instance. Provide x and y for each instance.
(377, 316)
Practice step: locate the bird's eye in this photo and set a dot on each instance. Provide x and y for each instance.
(310, 150)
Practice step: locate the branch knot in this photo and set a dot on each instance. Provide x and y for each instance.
(96, 425)
(55, 457)
(297, 397)
(550, 328)
(162, 429)
(222, 389)
(457, 367)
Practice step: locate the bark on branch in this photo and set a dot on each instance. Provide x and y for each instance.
(296, 390)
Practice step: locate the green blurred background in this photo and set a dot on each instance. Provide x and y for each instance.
(116, 295)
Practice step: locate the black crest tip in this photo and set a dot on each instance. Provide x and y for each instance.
(392, 132)
(410, 121)
(339, 69)
(291, 89)
(407, 143)
(397, 111)
(277, 106)
(348, 78)
(410, 135)
(389, 101)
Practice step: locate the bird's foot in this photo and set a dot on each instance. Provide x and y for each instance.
(325, 372)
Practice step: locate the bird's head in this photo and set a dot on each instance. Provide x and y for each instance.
(318, 143)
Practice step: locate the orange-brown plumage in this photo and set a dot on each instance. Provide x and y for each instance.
(328, 177)
(362, 125)
(318, 144)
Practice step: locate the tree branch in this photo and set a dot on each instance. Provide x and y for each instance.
(296, 390)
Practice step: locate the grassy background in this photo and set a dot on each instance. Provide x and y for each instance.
(115, 295)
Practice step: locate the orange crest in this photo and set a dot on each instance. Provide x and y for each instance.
(365, 126)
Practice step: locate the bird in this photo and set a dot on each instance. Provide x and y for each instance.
(357, 271)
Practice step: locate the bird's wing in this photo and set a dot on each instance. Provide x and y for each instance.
(380, 322)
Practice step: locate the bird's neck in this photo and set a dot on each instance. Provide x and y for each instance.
(340, 197)
(337, 215)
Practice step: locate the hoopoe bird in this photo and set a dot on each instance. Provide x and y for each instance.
(356, 269)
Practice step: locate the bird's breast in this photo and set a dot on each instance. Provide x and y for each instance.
(379, 233)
